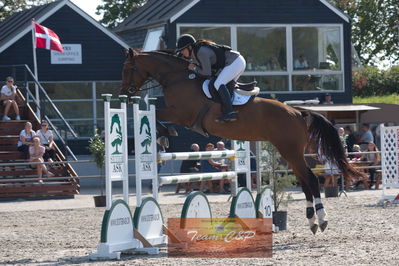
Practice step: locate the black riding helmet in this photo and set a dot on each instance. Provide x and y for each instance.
(184, 41)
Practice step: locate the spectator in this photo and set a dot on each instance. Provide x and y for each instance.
(36, 152)
(356, 157)
(328, 99)
(47, 140)
(209, 166)
(25, 139)
(223, 167)
(7, 98)
(342, 137)
(189, 166)
(374, 159)
(350, 139)
(366, 136)
(301, 63)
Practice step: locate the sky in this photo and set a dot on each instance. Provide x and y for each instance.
(89, 6)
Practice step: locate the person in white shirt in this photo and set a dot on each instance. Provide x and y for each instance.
(47, 140)
(301, 63)
(25, 139)
(7, 98)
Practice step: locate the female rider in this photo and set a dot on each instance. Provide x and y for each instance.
(214, 58)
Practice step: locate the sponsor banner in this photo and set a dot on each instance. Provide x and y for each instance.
(220, 238)
(116, 144)
(72, 55)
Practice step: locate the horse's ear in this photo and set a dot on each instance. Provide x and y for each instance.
(130, 53)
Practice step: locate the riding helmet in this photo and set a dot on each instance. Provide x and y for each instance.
(184, 41)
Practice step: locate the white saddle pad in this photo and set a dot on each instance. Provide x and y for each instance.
(238, 99)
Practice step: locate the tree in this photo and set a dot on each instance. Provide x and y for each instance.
(375, 28)
(115, 11)
(9, 7)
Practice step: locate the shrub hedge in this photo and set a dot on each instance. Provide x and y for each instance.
(372, 81)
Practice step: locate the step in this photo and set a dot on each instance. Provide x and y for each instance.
(4, 147)
(13, 123)
(39, 187)
(9, 139)
(10, 173)
(10, 155)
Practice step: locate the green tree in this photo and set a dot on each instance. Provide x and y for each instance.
(375, 28)
(9, 7)
(115, 11)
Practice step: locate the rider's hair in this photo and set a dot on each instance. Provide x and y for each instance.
(204, 41)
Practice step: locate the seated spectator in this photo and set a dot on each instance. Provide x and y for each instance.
(47, 140)
(36, 152)
(7, 99)
(223, 167)
(189, 166)
(356, 157)
(301, 63)
(209, 166)
(374, 159)
(25, 139)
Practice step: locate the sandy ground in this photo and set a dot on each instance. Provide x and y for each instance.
(49, 232)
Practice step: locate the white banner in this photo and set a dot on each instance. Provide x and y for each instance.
(72, 55)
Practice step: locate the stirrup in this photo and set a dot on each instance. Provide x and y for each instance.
(229, 117)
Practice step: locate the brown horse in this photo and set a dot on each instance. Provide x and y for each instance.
(288, 129)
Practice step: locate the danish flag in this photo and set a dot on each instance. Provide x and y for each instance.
(47, 39)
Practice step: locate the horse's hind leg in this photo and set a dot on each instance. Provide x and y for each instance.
(310, 186)
(310, 214)
(315, 188)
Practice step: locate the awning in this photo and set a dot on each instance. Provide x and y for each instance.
(337, 108)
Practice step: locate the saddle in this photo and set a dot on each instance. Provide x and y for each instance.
(234, 88)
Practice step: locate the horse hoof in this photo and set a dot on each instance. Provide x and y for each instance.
(313, 228)
(323, 226)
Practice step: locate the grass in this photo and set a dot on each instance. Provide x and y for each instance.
(392, 98)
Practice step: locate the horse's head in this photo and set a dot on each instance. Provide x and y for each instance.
(132, 77)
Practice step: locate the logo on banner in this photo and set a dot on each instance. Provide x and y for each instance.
(117, 136)
(145, 125)
(240, 142)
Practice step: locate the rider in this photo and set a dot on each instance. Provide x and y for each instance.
(214, 58)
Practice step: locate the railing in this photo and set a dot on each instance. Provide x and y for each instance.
(45, 106)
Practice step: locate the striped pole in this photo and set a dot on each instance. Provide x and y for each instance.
(196, 155)
(176, 179)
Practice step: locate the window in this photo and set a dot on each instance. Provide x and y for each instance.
(251, 42)
(216, 34)
(316, 48)
(283, 58)
(153, 40)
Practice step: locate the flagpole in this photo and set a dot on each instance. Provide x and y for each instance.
(37, 95)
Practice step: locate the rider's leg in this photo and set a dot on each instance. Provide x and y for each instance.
(230, 72)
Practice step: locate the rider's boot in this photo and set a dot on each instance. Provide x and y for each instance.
(228, 113)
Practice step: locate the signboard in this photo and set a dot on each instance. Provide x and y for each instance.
(264, 204)
(116, 144)
(148, 221)
(72, 55)
(242, 159)
(243, 205)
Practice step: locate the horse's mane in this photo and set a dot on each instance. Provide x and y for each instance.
(169, 56)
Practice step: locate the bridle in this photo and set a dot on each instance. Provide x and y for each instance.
(132, 87)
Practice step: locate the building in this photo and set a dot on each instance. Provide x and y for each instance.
(275, 37)
(91, 65)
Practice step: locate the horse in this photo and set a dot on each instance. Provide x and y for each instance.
(288, 129)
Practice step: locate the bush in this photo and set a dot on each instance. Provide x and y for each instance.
(372, 81)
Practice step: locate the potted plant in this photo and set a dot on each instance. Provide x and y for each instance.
(97, 149)
(278, 183)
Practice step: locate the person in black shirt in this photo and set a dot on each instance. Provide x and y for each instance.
(189, 166)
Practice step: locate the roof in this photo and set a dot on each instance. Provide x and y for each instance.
(19, 24)
(155, 13)
(337, 108)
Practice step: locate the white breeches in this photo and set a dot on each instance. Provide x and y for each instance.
(230, 72)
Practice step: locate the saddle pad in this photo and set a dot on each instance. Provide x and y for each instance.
(238, 99)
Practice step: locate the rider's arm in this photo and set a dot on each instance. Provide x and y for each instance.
(204, 56)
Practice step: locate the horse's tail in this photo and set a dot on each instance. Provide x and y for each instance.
(327, 139)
